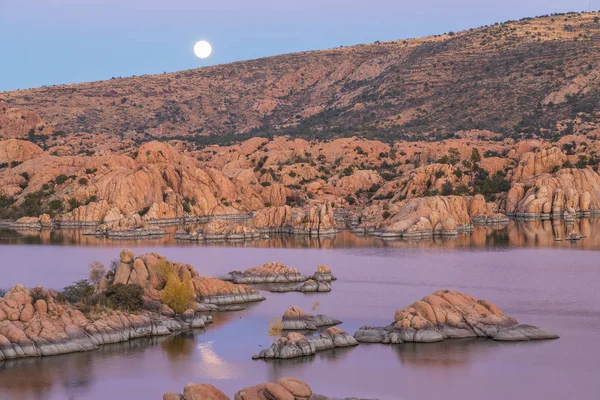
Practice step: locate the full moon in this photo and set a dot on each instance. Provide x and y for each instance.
(202, 49)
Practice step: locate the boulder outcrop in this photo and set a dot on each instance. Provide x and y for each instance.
(296, 319)
(316, 220)
(150, 270)
(428, 216)
(567, 191)
(282, 389)
(448, 315)
(42, 326)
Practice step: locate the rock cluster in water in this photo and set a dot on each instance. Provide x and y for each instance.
(295, 344)
(271, 272)
(147, 270)
(296, 319)
(42, 326)
(282, 389)
(448, 315)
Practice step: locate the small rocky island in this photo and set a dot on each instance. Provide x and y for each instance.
(296, 319)
(277, 272)
(308, 286)
(295, 344)
(448, 314)
(282, 389)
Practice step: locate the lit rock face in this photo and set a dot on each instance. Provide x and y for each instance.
(427, 216)
(296, 319)
(567, 191)
(448, 315)
(18, 123)
(541, 186)
(43, 327)
(271, 272)
(148, 271)
(161, 181)
(297, 345)
(18, 150)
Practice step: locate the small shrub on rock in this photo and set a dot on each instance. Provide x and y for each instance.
(127, 297)
(275, 327)
(38, 293)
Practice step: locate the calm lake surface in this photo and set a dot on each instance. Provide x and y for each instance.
(520, 268)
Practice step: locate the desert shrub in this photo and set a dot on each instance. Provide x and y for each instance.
(439, 174)
(386, 214)
(61, 179)
(178, 294)
(126, 297)
(265, 184)
(275, 327)
(83, 181)
(79, 292)
(90, 170)
(38, 293)
(351, 200)
(447, 189)
(97, 272)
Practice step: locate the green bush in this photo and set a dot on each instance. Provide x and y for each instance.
(79, 292)
(61, 179)
(83, 181)
(38, 293)
(125, 297)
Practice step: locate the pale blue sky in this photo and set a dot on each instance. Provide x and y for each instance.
(45, 42)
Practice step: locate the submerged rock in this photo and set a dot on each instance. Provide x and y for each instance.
(296, 319)
(448, 315)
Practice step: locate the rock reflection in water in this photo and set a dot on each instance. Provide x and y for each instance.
(540, 233)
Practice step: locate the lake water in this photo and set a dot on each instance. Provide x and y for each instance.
(520, 268)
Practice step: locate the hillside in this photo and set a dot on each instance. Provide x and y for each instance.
(522, 78)
(413, 136)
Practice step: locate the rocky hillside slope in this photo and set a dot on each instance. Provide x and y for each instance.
(520, 78)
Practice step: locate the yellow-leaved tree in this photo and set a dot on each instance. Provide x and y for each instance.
(178, 294)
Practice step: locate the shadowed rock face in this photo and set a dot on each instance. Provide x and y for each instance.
(44, 327)
(296, 319)
(447, 315)
(297, 345)
(148, 271)
(282, 389)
